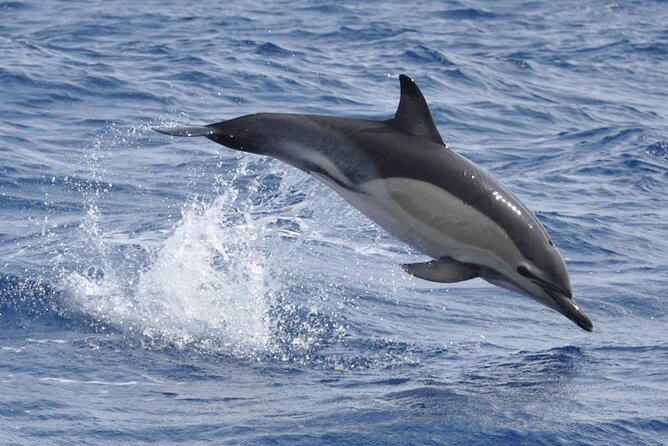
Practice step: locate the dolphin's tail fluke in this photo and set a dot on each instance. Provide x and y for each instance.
(196, 130)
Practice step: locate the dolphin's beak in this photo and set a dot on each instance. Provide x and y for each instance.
(570, 310)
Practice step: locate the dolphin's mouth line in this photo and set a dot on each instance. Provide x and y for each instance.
(523, 271)
(548, 286)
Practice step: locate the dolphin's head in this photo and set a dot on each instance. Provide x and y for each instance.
(545, 278)
(542, 275)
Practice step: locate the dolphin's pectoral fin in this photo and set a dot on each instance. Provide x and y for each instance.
(445, 270)
(198, 130)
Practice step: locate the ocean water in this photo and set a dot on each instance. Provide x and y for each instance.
(156, 290)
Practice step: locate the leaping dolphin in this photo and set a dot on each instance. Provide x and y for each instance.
(400, 173)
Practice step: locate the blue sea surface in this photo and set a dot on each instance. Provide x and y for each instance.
(156, 290)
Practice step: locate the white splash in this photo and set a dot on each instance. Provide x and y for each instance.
(209, 281)
(208, 284)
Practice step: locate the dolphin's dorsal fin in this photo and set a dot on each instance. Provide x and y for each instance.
(413, 115)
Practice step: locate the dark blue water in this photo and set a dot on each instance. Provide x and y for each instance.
(157, 290)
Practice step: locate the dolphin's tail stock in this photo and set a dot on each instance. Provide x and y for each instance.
(195, 130)
(245, 133)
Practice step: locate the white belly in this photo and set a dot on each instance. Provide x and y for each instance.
(433, 221)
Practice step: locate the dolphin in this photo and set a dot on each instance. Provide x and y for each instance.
(401, 174)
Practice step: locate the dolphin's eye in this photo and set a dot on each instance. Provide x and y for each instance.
(550, 242)
(523, 271)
